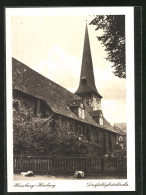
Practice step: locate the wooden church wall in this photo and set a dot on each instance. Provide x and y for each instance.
(105, 140)
(89, 132)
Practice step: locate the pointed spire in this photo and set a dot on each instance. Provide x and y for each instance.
(87, 81)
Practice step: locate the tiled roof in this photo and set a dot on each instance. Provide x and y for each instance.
(30, 82)
(119, 131)
(121, 126)
(95, 113)
(74, 103)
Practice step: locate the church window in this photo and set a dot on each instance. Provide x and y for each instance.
(120, 138)
(101, 121)
(121, 146)
(40, 109)
(82, 132)
(110, 143)
(97, 136)
(47, 112)
(79, 129)
(81, 113)
(90, 101)
(117, 139)
(75, 129)
(81, 105)
(88, 135)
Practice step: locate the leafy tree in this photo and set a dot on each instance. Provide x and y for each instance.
(31, 134)
(71, 143)
(36, 135)
(113, 38)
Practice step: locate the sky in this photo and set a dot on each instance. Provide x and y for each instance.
(53, 46)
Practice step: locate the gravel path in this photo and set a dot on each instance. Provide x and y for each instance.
(18, 177)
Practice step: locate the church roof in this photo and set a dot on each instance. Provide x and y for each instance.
(119, 130)
(87, 81)
(95, 113)
(57, 98)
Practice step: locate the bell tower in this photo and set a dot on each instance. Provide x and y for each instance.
(87, 88)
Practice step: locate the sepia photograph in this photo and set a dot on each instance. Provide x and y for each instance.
(69, 99)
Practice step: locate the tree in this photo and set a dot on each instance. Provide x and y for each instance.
(71, 143)
(36, 135)
(31, 134)
(113, 38)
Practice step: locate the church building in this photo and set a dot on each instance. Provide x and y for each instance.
(81, 112)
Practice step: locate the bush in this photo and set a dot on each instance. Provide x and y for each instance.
(33, 135)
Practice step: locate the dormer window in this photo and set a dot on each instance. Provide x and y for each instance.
(77, 107)
(97, 116)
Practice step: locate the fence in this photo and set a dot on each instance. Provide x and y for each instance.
(68, 165)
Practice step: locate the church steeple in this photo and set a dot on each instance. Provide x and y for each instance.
(87, 81)
(87, 85)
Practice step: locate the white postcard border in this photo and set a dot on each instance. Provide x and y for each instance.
(76, 185)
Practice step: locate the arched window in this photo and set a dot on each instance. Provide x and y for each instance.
(120, 138)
